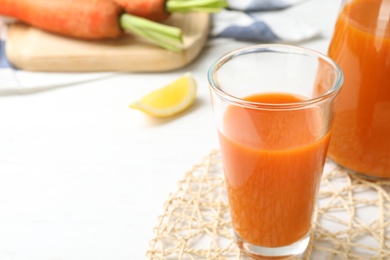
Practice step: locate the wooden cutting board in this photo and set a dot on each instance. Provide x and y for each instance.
(29, 48)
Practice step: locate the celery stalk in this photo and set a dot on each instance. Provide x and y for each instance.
(163, 35)
(166, 36)
(212, 6)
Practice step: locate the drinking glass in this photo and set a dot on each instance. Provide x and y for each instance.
(273, 107)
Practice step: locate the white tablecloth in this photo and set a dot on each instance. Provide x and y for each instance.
(84, 177)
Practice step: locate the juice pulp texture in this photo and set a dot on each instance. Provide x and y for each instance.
(361, 46)
(273, 161)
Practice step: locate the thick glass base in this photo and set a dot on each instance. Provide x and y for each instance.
(292, 251)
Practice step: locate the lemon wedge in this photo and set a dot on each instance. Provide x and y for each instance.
(169, 100)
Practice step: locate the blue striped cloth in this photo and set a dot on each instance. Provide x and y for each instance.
(3, 33)
(261, 5)
(4, 63)
(247, 20)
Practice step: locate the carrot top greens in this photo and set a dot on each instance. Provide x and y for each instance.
(168, 37)
(210, 6)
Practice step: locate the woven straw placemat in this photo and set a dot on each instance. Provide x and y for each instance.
(351, 221)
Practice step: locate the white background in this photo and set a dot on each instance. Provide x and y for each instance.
(84, 177)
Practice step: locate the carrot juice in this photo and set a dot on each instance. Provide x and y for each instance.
(361, 47)
(273, 161)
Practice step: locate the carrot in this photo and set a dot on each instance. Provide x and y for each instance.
(158, 10)
(150, 9)
(88, 19)
(81, 19)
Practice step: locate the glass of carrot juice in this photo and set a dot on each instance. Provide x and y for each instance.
(273, 107)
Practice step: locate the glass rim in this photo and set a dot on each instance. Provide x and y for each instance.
(211, 75)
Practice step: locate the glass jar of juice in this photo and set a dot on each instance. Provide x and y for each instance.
(361, 47)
